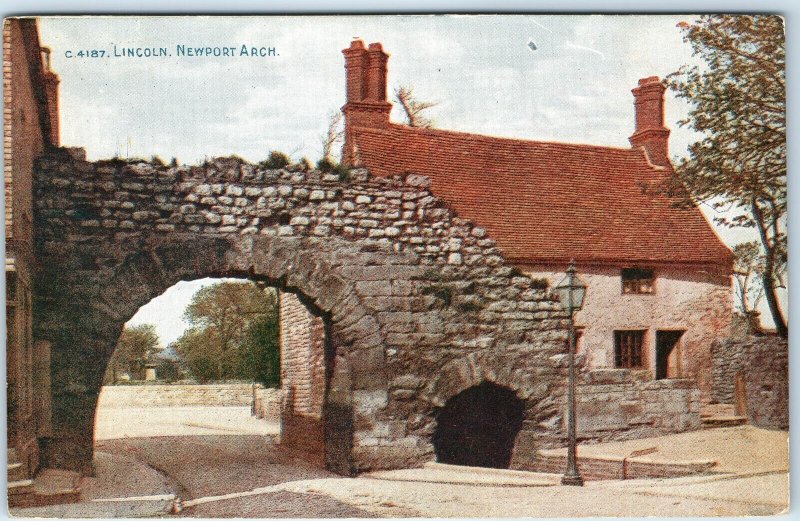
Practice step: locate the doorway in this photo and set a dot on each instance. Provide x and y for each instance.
(668, 354)
(478, 426)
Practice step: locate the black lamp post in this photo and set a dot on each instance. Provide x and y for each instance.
(571, 292)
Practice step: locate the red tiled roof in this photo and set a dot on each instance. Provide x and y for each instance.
(548, 201)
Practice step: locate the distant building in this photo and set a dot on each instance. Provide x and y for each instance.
(30, 124)
(659, 278)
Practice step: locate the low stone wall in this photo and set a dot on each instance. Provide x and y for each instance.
(618, 404)
(213, 395)
(269, 403)
(763, 366)
(615, 467)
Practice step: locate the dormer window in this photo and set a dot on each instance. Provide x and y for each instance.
(637, 281)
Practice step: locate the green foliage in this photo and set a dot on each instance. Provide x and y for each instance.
(168, 370)
(325, 164)
(276, 161)
(199, 349)
(234, 333)
(260, 356)
(540, 283)
(130, 355)
(330, 166)
(738, 101)
(305, 164)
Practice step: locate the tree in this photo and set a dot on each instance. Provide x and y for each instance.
(222, 317)
(412, 107)
(738, 104)
(260, 357)
(198, 349)
(747, 268)
(130, 355)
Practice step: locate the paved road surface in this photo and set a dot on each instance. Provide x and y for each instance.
(235, 467)
(203, 466)
(224, 463)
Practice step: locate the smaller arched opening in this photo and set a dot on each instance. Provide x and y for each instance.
(478, 426)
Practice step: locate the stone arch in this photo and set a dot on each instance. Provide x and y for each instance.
(472, 370)
(539, 397)
(412, 292)
(293, 265)
(478, 426)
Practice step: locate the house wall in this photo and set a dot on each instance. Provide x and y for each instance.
(24, 139)
(694, 299)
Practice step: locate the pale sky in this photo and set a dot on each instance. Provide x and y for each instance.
(575, 87)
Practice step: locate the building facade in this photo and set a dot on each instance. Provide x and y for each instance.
(30, 124)
(658, 276)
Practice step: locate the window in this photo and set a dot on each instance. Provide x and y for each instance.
(628, 349)
(637, 281)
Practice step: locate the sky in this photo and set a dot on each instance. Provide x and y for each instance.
(480, 70)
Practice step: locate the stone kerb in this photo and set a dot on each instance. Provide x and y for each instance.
(409, 287)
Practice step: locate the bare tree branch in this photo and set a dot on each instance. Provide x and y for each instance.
(413, 108)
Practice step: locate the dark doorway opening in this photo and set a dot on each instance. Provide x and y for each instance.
(478, 426)
(668, 354)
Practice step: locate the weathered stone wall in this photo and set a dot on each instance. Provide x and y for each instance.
(694, 299)
(617, 404)
(419, 304)
(763, 363)
(210, 395)
(268, 403)
(303, 370)
(302, 339)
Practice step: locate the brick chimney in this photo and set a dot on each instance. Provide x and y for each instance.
(366, 105)
(51, 82)
(650, 131)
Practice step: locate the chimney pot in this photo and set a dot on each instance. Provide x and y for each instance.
(650, 132)
(367, 105)
(649, 79)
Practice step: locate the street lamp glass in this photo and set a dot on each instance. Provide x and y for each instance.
(578, 292)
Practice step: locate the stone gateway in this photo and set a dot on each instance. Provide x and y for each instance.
(418, 304)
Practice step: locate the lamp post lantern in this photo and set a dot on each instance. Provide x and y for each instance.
(571, 292)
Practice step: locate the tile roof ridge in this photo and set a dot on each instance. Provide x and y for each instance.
(456, 133)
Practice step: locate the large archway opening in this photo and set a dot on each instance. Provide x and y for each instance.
(229, 357)
(478, 426)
